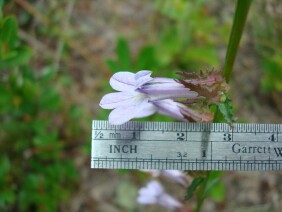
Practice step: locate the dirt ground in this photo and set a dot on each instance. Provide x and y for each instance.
(96, 25)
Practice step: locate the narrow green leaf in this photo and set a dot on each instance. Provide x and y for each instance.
(225, 108)
(146, 58)
(239, 21)
(215, 188)
(217, 192)
(194, 185)
(218, 116)
(113, 66)
(123, 54)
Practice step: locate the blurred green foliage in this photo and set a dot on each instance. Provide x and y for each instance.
(268, 41)
(11, 52)
(272, 78)
(187, 40)
(124, 61)
(189, 35)
(36, 173)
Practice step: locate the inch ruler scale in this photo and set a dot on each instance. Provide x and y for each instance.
(186, 146)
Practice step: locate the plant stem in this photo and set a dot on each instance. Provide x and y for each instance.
(201, 193)
(242, 9)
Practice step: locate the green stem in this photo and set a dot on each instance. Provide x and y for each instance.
(201, 193)
(242, 9)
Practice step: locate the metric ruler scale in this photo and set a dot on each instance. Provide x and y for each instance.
(186, 146)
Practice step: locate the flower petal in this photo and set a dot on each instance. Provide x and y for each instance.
(169, 202)
(169, 108)
(118, 99)
(142, 73)
(154, 193)
(176, 175)
(145, 199)
(194, 115)
(153, 172)
(169, 90)
(123, 81)
(150, 193)
(147, 110)
(162, 80)
(142, 77)
(123, 114)
(173, 94)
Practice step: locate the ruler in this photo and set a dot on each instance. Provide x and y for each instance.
(186, 146)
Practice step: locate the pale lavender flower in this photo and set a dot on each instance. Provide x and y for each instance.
(154, 193)
(180, 111)
(174, 175)
(140, 95)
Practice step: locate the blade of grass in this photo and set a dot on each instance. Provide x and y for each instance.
(242, 9)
